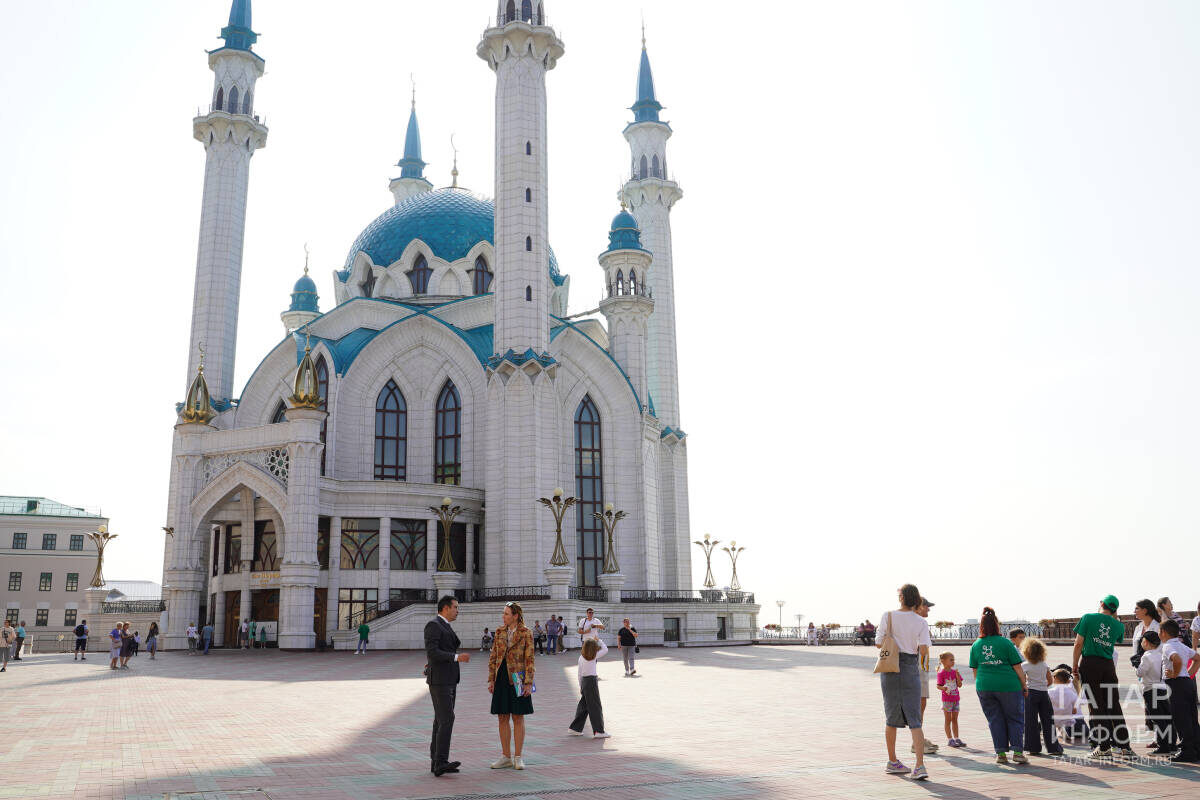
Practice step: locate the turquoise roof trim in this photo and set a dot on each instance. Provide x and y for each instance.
(555, 331)
(669, 431)
(449, 221)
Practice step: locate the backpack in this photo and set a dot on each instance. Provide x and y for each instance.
(80, 630)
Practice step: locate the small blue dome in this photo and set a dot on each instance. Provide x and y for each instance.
(624, 220)
(304, 295)
(450, 221)
(624, 233)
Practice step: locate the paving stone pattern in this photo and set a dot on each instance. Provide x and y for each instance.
(739, 722)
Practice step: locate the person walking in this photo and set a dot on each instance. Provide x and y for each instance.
(926, 674)
(114, 646)
(552, 632)
(81, 637)
(152, 639)
(510, 683)
(20, 640)
(207, 635)
(1000, 684)
(191, 637)
(562, 636)
(627, 643)
(902, 690)
(137, 643)
(8, 637)
(442, 676)
(243, 631)
(590, 627)
(126, 645)
(539, 638)
(812, 634)
(589, 691)
(364, 636)
(1092, 662)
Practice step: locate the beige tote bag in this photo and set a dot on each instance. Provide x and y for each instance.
(889, 653)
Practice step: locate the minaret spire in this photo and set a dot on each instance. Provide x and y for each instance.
(646, 107)
(238, 35)
(412, 168)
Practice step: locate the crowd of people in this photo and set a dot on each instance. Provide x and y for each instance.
(1029, 705)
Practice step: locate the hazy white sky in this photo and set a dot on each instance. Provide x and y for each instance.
(935, 262)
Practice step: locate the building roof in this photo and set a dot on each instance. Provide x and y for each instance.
(450, 221)
(624, 233)
(132, 589)
(41, 507)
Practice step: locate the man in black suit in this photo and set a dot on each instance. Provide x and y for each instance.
(441, 646)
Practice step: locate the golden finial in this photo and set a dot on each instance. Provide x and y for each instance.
(306, 258)
(622, 203)
(454, 170)
(197, 407)
(305, 393)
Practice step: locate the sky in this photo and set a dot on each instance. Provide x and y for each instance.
(935, 264)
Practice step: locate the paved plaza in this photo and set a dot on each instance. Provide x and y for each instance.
(739, 722)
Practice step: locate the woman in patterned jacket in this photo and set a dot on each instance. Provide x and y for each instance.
(511, 664)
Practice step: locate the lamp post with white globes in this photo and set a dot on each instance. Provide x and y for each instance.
(734, 551)
(558, 573)
(781, 604)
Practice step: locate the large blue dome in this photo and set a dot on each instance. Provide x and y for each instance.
(450, 221)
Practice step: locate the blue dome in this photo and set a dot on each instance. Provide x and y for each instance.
(304, 295)
(623, 220)
(450, 221)
(624, 233)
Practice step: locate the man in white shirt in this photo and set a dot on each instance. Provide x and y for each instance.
(1180, 678)
(923, 663)
(191, 637)
(590, 627)
(243, 630)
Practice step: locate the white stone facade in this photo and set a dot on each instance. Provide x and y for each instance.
(296, 494)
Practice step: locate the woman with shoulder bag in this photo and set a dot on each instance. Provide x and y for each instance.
(510, 682)
(903, 639)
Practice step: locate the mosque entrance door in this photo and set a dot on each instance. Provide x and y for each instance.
(320, 607)
(264, 605)
(233, 613)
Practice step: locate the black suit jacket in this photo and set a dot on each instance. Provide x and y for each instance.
(441, 646)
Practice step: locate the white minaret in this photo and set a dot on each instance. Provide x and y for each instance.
(650, 194)
(627, 305)
(521, 49)
(230, 133)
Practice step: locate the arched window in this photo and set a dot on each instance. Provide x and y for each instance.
(220, 98)
(541, 16)
(529, 148)
(510, 13)
(368, 284)
(645, 170)
(233, 100)
(654, 168)
(526, 11)
(391, 434)
(528, 244)
(528, 195)
(418, 276)
(266, 554)
(323, 393)
(279, 415)
(589, 488)
(529, 293)
(481, 276)
(247, 104)
(620, 282)
(632, 282)
(447, 440)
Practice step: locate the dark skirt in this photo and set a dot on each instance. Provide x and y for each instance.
(504, 697)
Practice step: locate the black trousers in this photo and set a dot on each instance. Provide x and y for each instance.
(1183, 715)
(1039, 714)
(443, 722)
(589, 706)
(1158, 717)
(1106, 725)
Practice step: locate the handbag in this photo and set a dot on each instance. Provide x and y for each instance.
(889, 653)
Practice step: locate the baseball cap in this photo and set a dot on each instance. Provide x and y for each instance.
(1111, 601)
(926, 602)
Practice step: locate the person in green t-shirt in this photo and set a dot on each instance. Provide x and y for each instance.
(363, 633)
(1001, 687)
(253, 629)
(1093, 663)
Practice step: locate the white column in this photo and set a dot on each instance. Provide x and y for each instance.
(219, 584)
(470, 565)
(335, 573)
(246, 556)
(385, 558)
(298, 575)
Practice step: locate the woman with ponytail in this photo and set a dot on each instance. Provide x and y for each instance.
(1001, 686)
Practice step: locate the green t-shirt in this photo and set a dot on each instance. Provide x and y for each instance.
(363, 630)
(1100, 632)
(993, 657)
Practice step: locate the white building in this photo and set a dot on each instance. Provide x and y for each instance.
(446, 368)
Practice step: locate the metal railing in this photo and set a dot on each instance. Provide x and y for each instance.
(685, 596)
(848, 634)
(139, 605)
(404, 598)
(592, 594)
(509, 593)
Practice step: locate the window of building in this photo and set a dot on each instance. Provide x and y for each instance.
(645, 170)
(233, 100)
(323, 542)
(447, 442)
(528, 293)
(69, 617)
(589, 488)
(360, 544)
(76, 541)
(49, 541)
(368, 284)
(670, 629)
(12, 615)
(409, 543)
(19, 540)
(654, 168)
(526, 11)
(220, 98)
(72, 581)
(481, 276)
(353, 603)
(418, 276)
(633, 282)
(541, 17)
(14, 581)
(528, 195)
(458, 545)
(233, 549)
(529, 148)
(247, 103)
(391, 434)
(45, 581)
(265, 556)
(323, 394)
(216, 539)
(43, 618)
(510, 11)
(279, 415)
(620, 282)
(529, 244)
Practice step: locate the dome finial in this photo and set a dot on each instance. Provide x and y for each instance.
(643, 30)
(413, 81)
(305, 393)
(306, 258)
(454, 169)
(197, 407)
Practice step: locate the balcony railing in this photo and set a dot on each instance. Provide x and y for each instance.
(592, 594)
(509, 593)
(140, 605)
(685, 596)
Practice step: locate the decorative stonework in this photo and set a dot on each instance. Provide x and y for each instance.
(273, 461)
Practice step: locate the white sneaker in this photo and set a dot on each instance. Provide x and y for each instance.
(601, 735)
(503, 763)
(518, 762)
(574, 732)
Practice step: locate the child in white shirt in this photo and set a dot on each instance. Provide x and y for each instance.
(1155, 694)
(1068, 709)
(589, 690)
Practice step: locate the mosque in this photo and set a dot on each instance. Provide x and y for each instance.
(396, 446)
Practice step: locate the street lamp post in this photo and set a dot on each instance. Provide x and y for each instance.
(558, 507)
(734, 551)
(101, 537)
(446, 514)
(609, 520)
(781, 604)
(707, 546)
